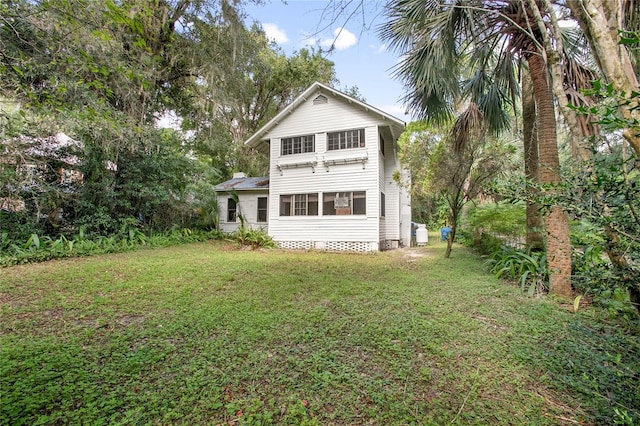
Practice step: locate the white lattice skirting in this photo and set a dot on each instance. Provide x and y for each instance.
(295, 245)
(358, 246)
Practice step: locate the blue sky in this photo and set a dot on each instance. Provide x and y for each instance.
(360, 57)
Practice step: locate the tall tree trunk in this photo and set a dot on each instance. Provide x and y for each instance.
(455, 214)
(558, 246)
(553, 45)
(534, 237)
(600, 21)
(600, 25)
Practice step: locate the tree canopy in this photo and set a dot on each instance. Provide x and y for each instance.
(107, 74)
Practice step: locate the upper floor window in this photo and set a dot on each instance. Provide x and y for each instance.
(345, 139)
(298, 144)
(344, 203)
(299, 205)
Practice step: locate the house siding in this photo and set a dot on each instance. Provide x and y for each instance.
(391, 190)
(405, 208)
(247, 207)
(390, 233)
(325, 172)
(381, 188)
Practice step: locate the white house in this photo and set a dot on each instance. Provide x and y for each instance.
(333, 177)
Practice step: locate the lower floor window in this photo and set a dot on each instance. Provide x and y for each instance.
(299, 205)
(344, 203)
(262, 209)
(232, 209)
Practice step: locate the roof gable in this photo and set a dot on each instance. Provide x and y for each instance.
(323, 97)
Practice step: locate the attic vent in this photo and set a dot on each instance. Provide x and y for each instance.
(321, 99)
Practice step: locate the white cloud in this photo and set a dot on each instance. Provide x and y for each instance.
(275, 33)
(342, 39)
(378, 49)
(307, 40)
(396, 111)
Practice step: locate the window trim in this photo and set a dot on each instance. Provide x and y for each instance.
(346, 139)
(351, 195)
(232, 218)
(295, 204)
(264, 210)
(305, 144)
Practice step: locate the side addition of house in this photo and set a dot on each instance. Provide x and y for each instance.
(243, 201)
(333, 176)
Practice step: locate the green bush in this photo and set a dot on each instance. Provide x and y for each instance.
(39, 249)
(504, 220)
(528, 269)
(256, 238)
(486, 243)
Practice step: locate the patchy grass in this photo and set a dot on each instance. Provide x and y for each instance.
(211, 334)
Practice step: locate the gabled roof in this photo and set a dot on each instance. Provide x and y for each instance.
(256, 138)
(243, 184)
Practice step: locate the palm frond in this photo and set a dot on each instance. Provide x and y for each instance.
(470, 124)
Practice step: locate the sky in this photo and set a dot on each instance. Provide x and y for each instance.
(360, 58)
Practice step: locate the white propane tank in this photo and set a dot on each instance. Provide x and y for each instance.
(421, 235)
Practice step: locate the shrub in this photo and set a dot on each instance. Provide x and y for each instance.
(504, 220)
(38, 249)
(486, 243)
(256, 238)
(528, 269)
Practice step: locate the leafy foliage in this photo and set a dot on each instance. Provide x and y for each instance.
(529, 270)
(456, 176)
(503, 220)
(255, 238)
(38, 248)
(105, 74)
(604, 193)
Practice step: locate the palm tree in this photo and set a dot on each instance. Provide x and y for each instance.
(441, 40)
(534, 237)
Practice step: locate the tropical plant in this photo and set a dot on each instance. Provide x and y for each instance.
(37, 248)
(604, 193)
(255, 238)
(455, 176)
(612, 29)
(529, 270)
(442, 42)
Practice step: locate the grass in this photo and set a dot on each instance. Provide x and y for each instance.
(211, 334)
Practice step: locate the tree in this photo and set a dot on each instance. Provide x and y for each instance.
(534, 236)
(416, 143)
(458, 176)
(440, 41)
(104, 72)
(604, 22)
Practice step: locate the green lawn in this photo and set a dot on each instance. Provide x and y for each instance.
(211, 334)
